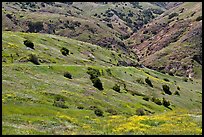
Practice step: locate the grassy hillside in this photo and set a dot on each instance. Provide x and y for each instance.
(39, 99)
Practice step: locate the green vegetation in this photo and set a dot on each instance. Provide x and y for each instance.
(116, 88)
(64, 51)
(29, 44)
(166, 89)
(67, 75)
(148, 81)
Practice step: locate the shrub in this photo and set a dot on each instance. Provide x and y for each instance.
(173, 15)
(178, 88)
(171, 73)
(59, 101)
(199, 18)
(64, 51)
(116, 88)
(148, 81)
(146, 98)
(140, 112)
(157, 101)
(109, 72)
(80, 107)
(165, 102)
(176, 93)
(67, 75)
(111, 111)
(97, 83)
(98, 112)
(29, 44)
(34, 59)
(93, 72)
(140, 81)
(166, 89)
(185, 79)
(165, 79)
(35, 26)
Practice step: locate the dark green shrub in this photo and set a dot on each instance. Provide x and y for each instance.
(178, 88)
(109, 72)
(35, 26)
(111, 111)
(171, 73)
(67, 75)
(116, 88)
(140, 112)
(98, 112)
(80, 107)
(140, 81)
(176, 93)
(97, 83)
(157, 101)
(64, 51)
(185, 79)
(173, 15)
(146, 98)
(93, 72)
(34, 59)
(199, 18)
(165, 79)
(165, 102)
(166, 89)
(59, 101)
(29, 44)
(148, 81)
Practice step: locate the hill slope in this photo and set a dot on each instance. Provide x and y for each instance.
(172, 42)
(38, 99)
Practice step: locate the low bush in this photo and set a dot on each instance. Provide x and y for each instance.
(116, 88)
(165, 102)
(157, 101)
(111, 111)
(59, 102)
(98, 112)
(146, 98)
(185, 79)
(97, 83)
(140, 81)
(166, 89)
(171, 73)
(173, 15)
(34, 59)
(148, 81)
(178, 88)
(64, 51)
(29, 44)
(93, 72)
(140, 112)
(67, 75)
(199, 18)
(165, 79)
(176, 93)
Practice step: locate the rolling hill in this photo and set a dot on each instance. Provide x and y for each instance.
(101, 68)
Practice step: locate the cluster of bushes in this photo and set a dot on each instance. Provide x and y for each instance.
(199, 18)
(35, 26)
(94, 74)
(148, 81)
(64, 51)
(112, 111)
(157, 101)
(146, 98)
